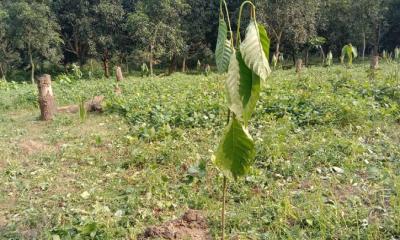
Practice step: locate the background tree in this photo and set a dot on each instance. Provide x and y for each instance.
(34, 31)
(157, 24)
(291, 22)
(77, 20)
(8, 55)
(197, 39)
(369, 22)
(109, 25)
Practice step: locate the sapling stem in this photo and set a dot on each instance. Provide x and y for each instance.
(240, 18)
(225, 188)
(228, 19)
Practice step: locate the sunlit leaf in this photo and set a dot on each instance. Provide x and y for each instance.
(236, 151)
(254, 50)
(224, 49)
(243, 88)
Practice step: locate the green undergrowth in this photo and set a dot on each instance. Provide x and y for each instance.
(327, 165)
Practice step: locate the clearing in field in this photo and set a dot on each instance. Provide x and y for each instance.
(327, 161)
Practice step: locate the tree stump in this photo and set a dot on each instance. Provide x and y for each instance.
(118, 73)
(299, 65)
(117, 90)
(46, 98)
(374, 63)
(93, 105)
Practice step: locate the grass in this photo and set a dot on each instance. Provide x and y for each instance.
(327, 166)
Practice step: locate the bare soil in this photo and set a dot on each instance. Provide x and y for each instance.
(192, 225)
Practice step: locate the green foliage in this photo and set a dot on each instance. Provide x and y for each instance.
(145, 70)
(224, 48)
(198, 66)
(255, 50)
(247, 67)
(32, 21)
(350, 52)
(82, 110)
(207, 70)
(64, 79)
(157, 25)
(77, 71)
(329, 58)
(236, 151)
(397, 53)
(243, 89)
(302, 128)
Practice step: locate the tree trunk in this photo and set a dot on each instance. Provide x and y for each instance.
(118, 74)
(46, 98)
(277, 49)
(172, 66)
(151, 59)
(322, 54)
(184, 65)
(278, 45)
(106, 68)
(377, 40)
(2, 73)
(307, 53)
(294, 56)
(32, 64)
(106, 64)
(374, 62)
(127, 65)
(299, 65)
(364, 46)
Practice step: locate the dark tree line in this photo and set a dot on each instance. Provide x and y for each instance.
(172, 34)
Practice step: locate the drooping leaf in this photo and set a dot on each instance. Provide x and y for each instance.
(232, 85)
(243, 88)
(349, 51)
(224, 49)
(249, 89)
(274, 61)
(354, 51)
(252, 49)
(236, 151)
(265, 41)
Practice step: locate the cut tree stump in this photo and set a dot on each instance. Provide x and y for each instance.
(118, 73)
(94, 105)
(299, 65)
(374, 63)
(117, 90)
(46, 98)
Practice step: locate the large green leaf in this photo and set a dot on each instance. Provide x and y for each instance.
(236, 152)
(265, 41)
(232, 85)
(354, 51)
(224, 49)
(243, 88)
(253, 50)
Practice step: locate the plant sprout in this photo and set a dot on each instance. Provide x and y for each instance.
(274, 61)
(224, 48)
(247, 68)
(145, 70)
(281, 59)
(350, 51)
(329, 58)
(384, 55)
(397, 53)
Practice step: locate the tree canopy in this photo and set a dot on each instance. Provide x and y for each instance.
(167, 34)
